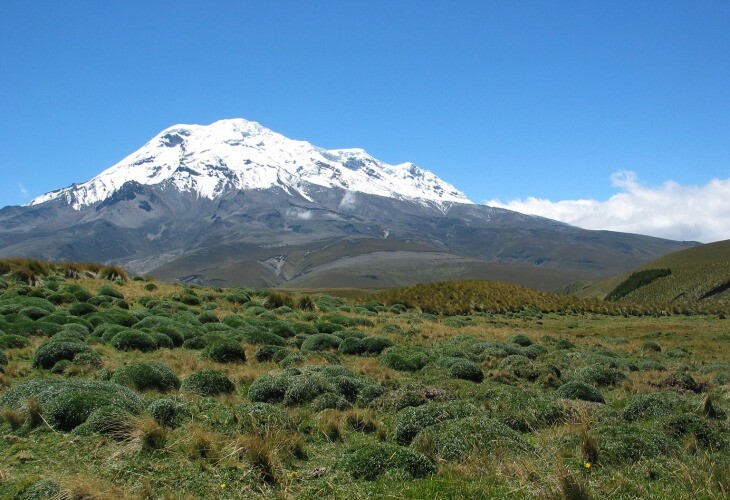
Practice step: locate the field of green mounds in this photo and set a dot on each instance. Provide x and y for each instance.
(114, 387)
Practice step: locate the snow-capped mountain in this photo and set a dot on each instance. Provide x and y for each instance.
(234, 203)
(237, 154)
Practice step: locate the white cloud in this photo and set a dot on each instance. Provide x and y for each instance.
(299, 214)
(671, 210)
(22, 189)
(349, 201)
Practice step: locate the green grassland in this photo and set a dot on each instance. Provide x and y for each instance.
(698, 275)
(113, 387)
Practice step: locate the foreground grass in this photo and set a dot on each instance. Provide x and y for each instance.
(563, 447)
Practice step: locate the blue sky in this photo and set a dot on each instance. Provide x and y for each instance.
(506, 100)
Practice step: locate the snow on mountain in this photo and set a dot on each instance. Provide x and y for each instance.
(238, 154)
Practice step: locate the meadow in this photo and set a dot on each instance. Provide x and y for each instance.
(118, 387)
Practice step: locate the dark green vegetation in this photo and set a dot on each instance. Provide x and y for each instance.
(699, 277)
(111, 388)
(636, 281)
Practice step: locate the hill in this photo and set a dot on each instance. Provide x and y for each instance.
(481, 296)
(697, 275)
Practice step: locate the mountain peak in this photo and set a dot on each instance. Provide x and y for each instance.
(238, 154)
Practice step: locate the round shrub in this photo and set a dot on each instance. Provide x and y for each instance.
(392, 328)
(61, 298)
(208, 383)
(412, 420)
(67, 337)
(321, 342)
(376, 344)
(190, 300)
(520, 366)
(110, 291)
(466, 370)
(283, 329)
(564, 344)
(81, 308)
(162, 340)
(709, 434)
(629, 443)
(398, 399)
(67, 403)
(216, 327)
(650, 346)
(10, 341)
(455, 439)
(327, 327)
(262, 418)
(112, 420)
(677, 352)
(304, 328)
(402, 358)
(88, 358)
(61, 366)
(169, 412)
(268, 389)
(81, 293)
(100, 301)
(345, 334)
(129, 340)
(650, 365)
(185, 327)
(260, 336)
(71, 409)
(273, 353)
(107, 332)
(51, 353)
(3, 358)
(29, 328)
(533, 351)
(176, 338)
(580, 390)
(524, 409)
(331, 400)
(294, 358)
(34, 313)
(303, 390)
(208, 317)
(44, 489)
(370, 461)
(298, 386)
(652, 405)
(195, 343)
(601, 375)
(147, 376)
(520, 339)
(351, 345)
(225, 351)
(74, 329)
